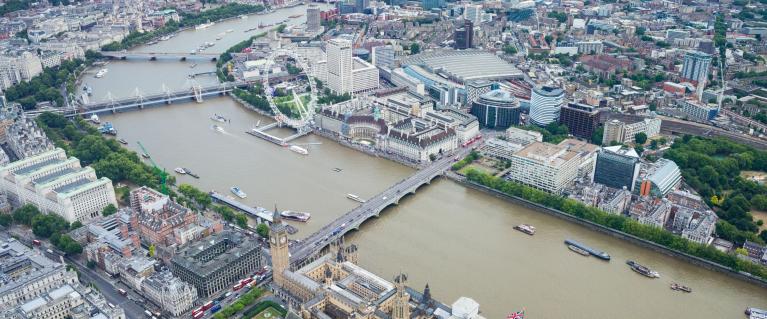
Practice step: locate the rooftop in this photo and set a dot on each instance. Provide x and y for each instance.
(196, 258)
(546, 154)
(465, 65)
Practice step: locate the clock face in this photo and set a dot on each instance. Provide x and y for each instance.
(274, 240)
(283, 239)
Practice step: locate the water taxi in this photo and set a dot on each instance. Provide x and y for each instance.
(642, 270)
(299, 150)
(123, 141)
(355, 198)
(180, 170)
(145, 155)
(525, 228)
(237, 191)
(219, 129)
(95, 119)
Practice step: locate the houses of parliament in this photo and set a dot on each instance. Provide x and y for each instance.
(334, 286)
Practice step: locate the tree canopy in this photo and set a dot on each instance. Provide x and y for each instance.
(712, 167)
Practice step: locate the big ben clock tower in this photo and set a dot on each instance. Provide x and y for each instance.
(278, 247)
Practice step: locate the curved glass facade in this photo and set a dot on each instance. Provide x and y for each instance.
(545, 103)
(496, 109)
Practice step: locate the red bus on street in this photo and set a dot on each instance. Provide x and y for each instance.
(207, 305)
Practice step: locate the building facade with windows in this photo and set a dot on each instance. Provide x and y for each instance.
(339, 65)
(544, 166)
(57, 184)
(545, 104)
(617, 167)
(699, 111)
(497, 109)
(26, 274)
(217, 263)
(658, 179)
(172, 294)
(581, 119)
(383, 56)
(696, 66)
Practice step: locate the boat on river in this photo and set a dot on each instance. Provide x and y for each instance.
(237, 191)
(295, 16)
(190, 173)
(299, 150)
(594, 252)
(123, 141)
(678, 287)
(297, 216)
(219, 118)
(578, 250)
(756, 313)
(525, 228)
(355, 198)
(101, 73)
(204, 25)
(642, 270)
(180, 170)
(218, 129)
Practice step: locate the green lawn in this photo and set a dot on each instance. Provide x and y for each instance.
(268, 313)
(287, 105)
(476, 166)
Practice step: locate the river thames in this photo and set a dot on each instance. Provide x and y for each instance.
(457, 239)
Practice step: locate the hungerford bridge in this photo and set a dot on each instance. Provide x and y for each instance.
(139, 101)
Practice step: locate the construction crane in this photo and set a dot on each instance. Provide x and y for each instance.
(160, 172)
